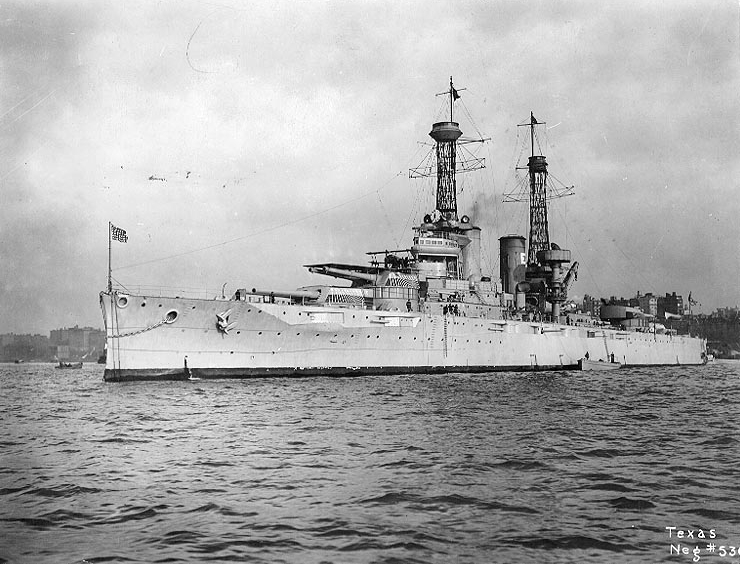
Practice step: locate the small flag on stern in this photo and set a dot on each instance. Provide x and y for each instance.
(118, 234)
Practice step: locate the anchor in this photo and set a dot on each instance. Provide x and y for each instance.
(222, 322)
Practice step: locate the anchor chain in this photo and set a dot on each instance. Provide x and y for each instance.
(154, 326)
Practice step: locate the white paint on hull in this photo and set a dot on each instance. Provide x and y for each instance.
(274, 337)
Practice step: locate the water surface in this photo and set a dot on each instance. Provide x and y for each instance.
(501, 467)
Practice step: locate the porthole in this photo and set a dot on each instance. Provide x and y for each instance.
(171, 316)
(122, 301)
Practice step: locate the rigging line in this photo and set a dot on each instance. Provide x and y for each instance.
(412, 212)
(580, 256)
(261, 231)
(120, 284)
(551, 176)
(623, 280)
(34, 106)
(470, 118)
(560, 164)
(518, 218)
(382, 208)
(442, 112)
(497, 211)
(521, 221)
(520, 143)
(539, 142)
(634, 266)
(547, 139)
(24, 161)
(19, 103)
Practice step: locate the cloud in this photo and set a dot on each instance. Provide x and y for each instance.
(244, 141)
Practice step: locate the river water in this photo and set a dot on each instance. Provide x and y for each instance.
(501, 467)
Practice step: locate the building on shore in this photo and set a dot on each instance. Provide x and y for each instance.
(77, 343)
(74, 343)
(671, 303)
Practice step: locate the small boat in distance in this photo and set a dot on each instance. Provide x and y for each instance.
(69, 364)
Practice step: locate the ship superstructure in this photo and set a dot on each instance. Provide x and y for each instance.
(423, 309)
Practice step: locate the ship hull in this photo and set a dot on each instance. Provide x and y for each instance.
(153, 338)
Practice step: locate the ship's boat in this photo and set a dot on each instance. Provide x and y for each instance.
(69, 364)
(429, 308)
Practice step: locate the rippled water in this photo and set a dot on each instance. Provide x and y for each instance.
(503, 467)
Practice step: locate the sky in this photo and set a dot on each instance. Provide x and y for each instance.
(236, 142)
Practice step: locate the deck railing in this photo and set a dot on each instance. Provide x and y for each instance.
(173, 292)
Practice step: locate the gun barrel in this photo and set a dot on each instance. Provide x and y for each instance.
(294, 295)
(341, 273)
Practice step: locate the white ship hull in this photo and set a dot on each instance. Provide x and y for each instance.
(237, 339)
(430, 307)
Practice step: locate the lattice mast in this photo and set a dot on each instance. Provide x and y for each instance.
(539, 234)
(449, 159)
(446, 134)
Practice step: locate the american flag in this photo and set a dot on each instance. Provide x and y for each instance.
(118, 234)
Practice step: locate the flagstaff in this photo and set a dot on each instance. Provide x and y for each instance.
(119, 235)
(110, 283)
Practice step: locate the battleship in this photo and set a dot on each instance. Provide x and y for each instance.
(428, 308)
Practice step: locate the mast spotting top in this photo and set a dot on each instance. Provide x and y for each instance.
(445, 131)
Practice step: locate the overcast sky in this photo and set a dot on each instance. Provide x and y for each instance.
(237, 141)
